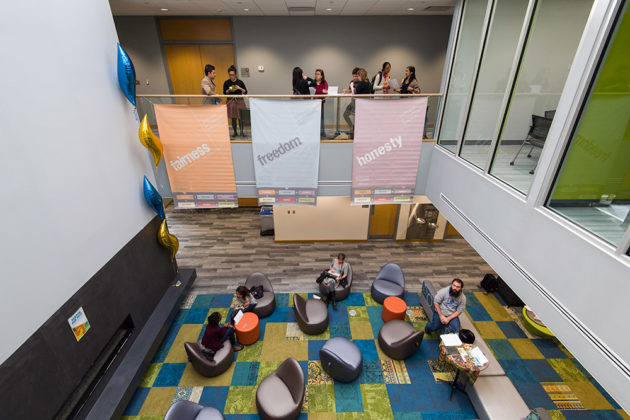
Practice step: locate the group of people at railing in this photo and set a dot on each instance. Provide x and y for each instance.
(381, 83)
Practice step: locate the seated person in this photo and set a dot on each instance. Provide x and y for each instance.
(338, 271)
(214, 336)
(449, 303)
(246, 302)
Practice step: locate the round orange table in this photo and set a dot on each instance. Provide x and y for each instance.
(394, 308)
(248, 330)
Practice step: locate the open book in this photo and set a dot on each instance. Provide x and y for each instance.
(238, 317)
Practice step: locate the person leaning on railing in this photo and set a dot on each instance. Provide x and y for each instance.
(301, 83)
(363, 86)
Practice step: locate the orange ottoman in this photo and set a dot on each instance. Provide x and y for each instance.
(394, 308)
(248, 330)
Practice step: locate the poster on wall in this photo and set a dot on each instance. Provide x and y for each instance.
(198, 155)
(285, 145)
(79, 324)
(386, 150)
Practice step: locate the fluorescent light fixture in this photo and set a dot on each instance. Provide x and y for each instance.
(164, 10)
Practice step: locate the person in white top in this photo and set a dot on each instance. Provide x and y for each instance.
(380, 84)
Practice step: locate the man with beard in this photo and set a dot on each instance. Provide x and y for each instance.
(449, 304)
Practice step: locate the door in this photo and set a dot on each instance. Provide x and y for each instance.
(383, 218)
(186, 65)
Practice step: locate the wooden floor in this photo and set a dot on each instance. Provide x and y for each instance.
(224, 246)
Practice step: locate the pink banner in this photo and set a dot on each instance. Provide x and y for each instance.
(387, 143)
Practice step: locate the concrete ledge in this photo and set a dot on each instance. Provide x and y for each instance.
(495, 397)
(118, 391)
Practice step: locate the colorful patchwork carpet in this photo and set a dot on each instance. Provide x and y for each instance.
(543, 371)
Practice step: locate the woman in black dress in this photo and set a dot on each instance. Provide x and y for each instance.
(234, 86)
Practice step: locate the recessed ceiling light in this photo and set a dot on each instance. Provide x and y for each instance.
(164, 10)
(247, 10)
(329, 9)
(410, 9)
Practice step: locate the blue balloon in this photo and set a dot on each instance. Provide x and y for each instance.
(154, 198)
(126, 75)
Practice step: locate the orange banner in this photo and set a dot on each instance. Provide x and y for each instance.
(197, 154)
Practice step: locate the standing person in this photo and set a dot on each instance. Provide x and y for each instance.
(449, 303)
(321, 88)
(236, 87)
(214, 336)
(410, 83)
(363, 86)
(301, 83)
(380, 83)
(207, 85)
(349, 112)
(339, 270)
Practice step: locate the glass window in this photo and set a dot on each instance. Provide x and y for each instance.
(464, 64)
(492, 80)
(592, 188)
(553, 39)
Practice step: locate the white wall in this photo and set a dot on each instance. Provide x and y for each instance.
(333, 218)
(337, 45)
(565, 264)
(72, 163)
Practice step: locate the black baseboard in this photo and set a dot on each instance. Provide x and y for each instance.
(40, 378)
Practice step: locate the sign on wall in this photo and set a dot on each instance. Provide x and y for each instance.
(198, 155)
(79, 324)
(285, 144)
(386, 150)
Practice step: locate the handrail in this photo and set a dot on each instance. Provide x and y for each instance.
(341, 95)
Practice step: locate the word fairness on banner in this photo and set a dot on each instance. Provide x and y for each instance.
(198, 155)
(285, 146)
(386, 150)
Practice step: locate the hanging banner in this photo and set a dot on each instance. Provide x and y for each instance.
(285, 144)
(198, 155)
(386, 150)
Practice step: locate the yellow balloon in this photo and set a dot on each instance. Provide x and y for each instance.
(150, 141)
(167, 240)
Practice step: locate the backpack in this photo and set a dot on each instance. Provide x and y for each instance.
(374, 79)
(489, 283)
(257, 292)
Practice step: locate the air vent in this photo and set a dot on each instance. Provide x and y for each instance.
(437, 9)
(301, 9)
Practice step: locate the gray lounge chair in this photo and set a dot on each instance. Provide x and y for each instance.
(280, 395)
(340, 292)
(399, 340)
(311, 315)
(223, 359)
(188, 410)
(341, 359)
(390, 281)
(267, 304)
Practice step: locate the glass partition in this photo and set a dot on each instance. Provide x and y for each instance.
(553, 39)
(501, 46)
(592, 188)
(462, 72)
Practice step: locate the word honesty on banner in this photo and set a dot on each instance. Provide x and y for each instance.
(386, 152)
(198, 155)
(285, 145)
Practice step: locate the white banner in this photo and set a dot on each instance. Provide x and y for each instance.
(285, 144)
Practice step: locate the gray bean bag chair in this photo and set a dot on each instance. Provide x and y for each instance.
(188, 410)
(341, 359)
(340, 292)
(280, 395)
(222, 359)
(389, 282)
(311, 315)
(399, 340)
(267, 304)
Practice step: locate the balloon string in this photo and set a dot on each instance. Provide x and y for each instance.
(135, 114)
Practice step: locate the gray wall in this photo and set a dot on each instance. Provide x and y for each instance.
(139, 36)
(338, 44)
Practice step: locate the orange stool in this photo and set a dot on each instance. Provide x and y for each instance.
(248, 330)
(394, 308)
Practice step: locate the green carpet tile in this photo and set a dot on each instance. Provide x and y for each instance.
(542, 370)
